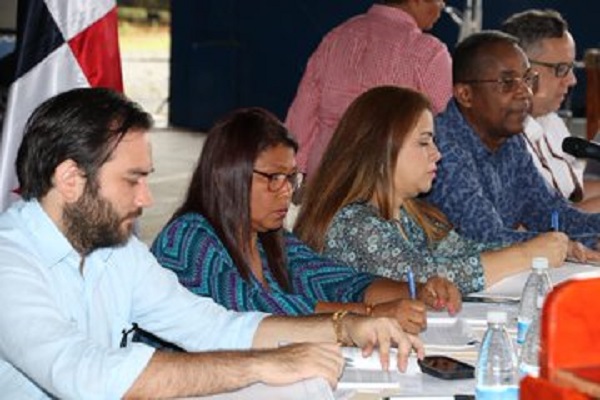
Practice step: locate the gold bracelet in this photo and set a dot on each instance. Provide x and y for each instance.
(368, 309)
(337, 325)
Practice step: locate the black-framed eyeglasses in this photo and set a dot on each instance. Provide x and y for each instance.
(561, 69)
(510, 84)
(277, 180)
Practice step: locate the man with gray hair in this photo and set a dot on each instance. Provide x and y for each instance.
(544, 36)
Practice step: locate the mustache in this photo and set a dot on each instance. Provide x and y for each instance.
(135, 214)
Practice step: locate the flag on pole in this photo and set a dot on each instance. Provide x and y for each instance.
(61, 44)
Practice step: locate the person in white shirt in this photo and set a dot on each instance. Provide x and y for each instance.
(73, 280)
(544, 36)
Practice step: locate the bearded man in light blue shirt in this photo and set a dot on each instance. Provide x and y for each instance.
(73, 279)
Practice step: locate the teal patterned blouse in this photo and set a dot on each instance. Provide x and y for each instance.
(360, 237)
(190, 247)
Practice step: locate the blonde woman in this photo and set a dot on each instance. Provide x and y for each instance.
(362, 207)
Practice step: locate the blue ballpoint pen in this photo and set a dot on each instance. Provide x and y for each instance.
(411, 283)
(554, 221)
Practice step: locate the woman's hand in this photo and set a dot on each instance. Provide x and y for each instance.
(578, 252)
(439, 293)
(553, 245)
(410, 314)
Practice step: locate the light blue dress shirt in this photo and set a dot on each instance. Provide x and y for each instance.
(61, 329)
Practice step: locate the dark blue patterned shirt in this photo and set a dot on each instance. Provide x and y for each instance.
(486, 194)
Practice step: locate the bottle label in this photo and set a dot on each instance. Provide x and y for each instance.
(522, 326)
(497, 393)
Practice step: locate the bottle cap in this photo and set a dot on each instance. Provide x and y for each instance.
(539, 263)
(496, 317)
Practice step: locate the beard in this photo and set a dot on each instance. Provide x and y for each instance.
(92, 223)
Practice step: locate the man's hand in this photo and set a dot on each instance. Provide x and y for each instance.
(382, 333)
(439, 293)
(411, 314)
(295, 362)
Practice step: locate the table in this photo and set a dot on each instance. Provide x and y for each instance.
(422, 385)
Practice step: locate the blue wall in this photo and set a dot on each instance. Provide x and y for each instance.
(237, 53)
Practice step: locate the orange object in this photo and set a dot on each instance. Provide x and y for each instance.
(539, 388)
(570, 344)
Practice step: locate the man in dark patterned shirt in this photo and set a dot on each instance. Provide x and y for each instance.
(487, 183)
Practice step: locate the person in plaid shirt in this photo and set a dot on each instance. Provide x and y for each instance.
(384, 46)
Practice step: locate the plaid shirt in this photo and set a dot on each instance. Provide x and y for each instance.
(382, 47)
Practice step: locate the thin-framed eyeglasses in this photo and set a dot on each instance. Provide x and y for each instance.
(277, 180)
(561, 69)
(510, 84)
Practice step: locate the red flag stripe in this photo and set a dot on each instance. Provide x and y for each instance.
(90, 57)
(100, 62)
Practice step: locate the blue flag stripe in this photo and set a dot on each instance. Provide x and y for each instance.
(39, 32)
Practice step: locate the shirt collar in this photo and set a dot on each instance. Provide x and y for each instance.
(533, 129)
(393, 13)
(51, 243)
(467, 135)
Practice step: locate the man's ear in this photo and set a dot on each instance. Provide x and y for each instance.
(69, 180)
(463, 93)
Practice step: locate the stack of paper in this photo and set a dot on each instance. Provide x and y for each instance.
(474, 314)
(314, 388)
(511, 287)
(366, 373)
(448, 334)
(355, 359)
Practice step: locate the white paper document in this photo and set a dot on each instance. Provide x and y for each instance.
(315, 388)
(448, 334)
(511, 287)
(475, 313)
(366, 373)
(355, 359)
(413, 383)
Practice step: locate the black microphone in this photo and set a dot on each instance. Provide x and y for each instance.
(581, 148)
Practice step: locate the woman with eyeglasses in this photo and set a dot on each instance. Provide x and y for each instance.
(226, 240)
(362, 205)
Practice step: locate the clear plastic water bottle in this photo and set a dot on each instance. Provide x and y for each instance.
(496, 371)
(529, 361)
(538, 285)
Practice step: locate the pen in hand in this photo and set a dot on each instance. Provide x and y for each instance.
(412, 288)
(554, 221)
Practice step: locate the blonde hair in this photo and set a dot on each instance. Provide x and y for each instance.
(359, 164)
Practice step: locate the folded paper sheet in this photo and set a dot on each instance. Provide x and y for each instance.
(511, 287)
